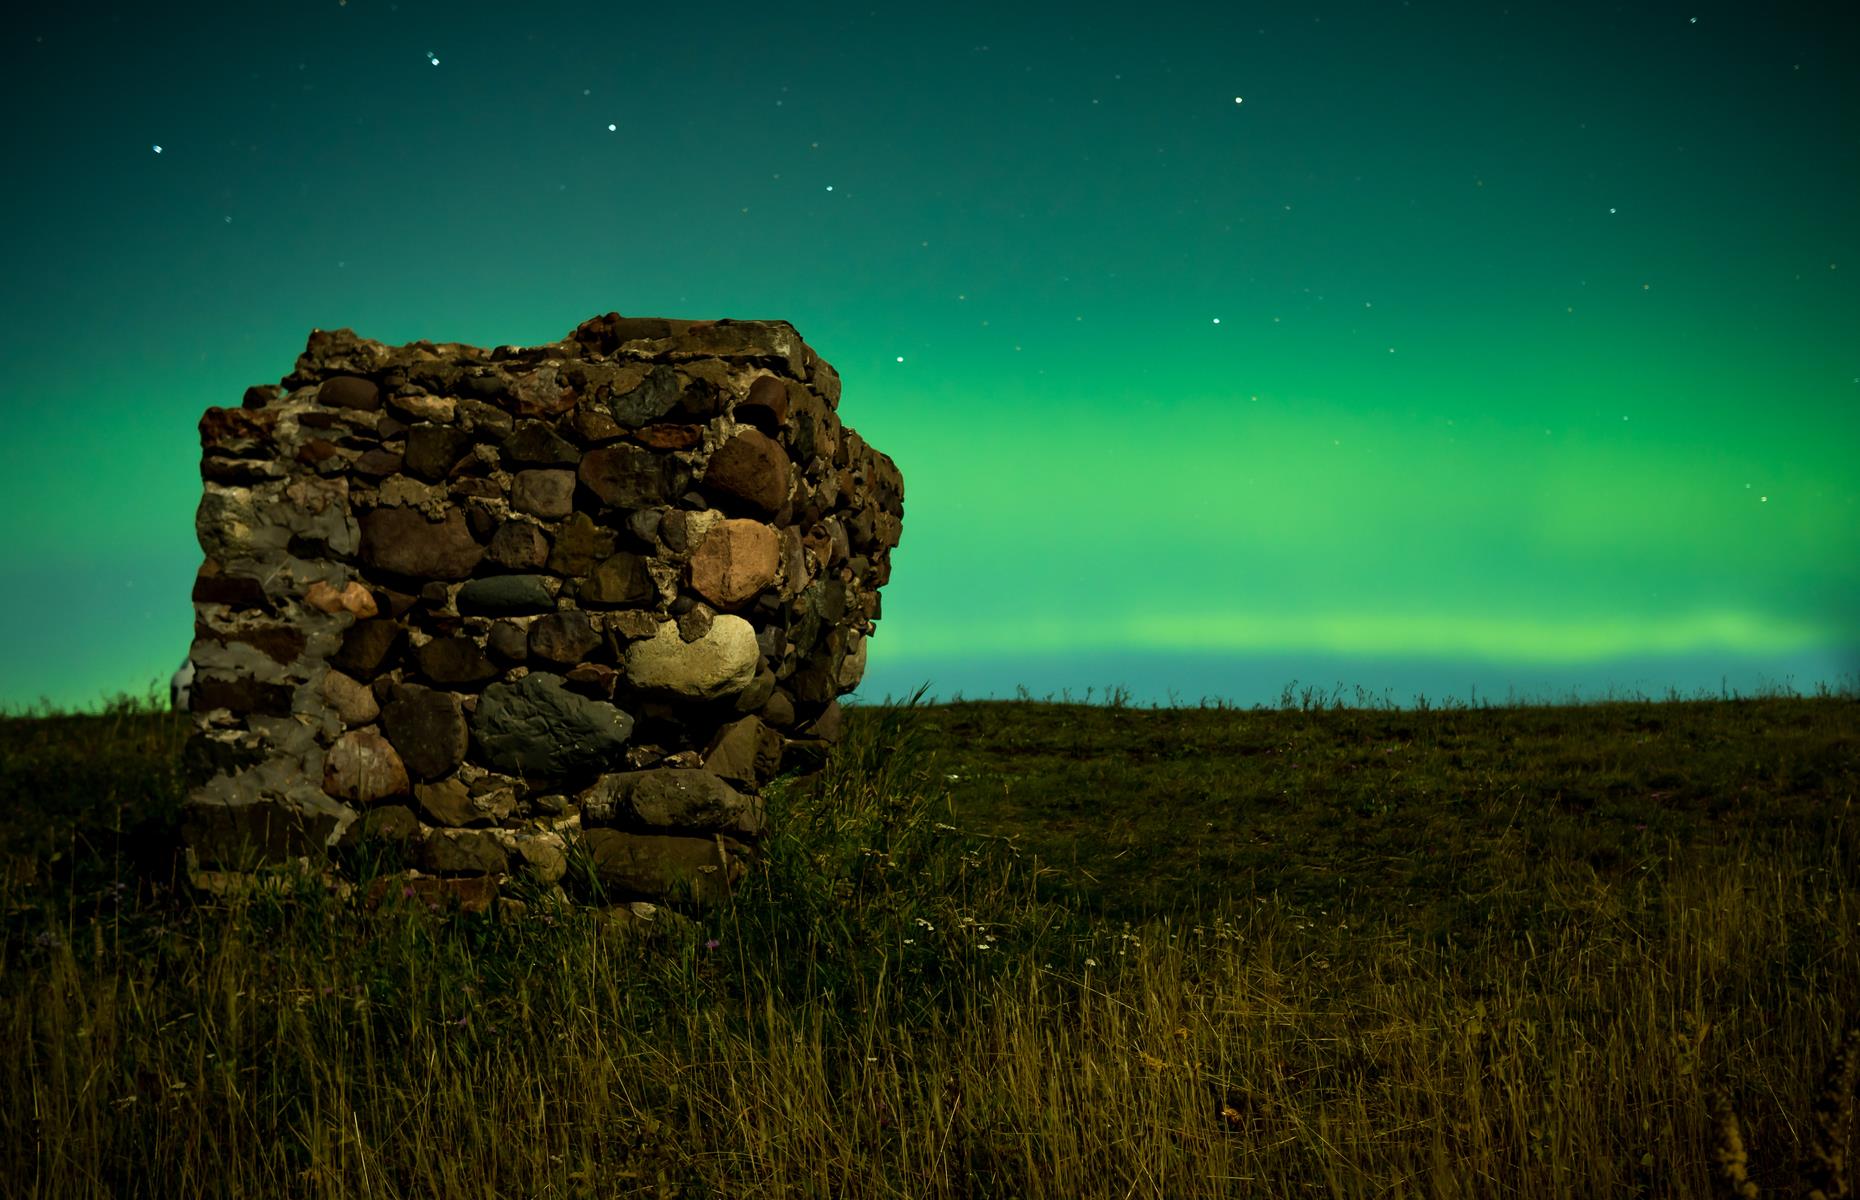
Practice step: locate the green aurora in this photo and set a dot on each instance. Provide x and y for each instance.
(1429, 348)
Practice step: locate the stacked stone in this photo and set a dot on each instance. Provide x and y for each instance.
(495, 607)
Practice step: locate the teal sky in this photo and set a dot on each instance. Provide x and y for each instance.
(1438, 348)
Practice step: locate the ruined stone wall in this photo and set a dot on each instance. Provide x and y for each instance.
(486, 608)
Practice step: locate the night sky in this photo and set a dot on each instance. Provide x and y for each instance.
(1442, 349)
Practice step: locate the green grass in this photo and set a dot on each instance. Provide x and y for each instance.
(998, 949)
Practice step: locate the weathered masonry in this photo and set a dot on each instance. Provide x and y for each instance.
(492, 606)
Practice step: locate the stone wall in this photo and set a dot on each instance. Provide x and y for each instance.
(493, 610)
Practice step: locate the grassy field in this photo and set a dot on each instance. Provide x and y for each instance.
(1030, 948)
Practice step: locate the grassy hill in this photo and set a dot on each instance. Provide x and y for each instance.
(998, 949)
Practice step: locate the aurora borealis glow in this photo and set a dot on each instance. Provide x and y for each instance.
(1440, 348)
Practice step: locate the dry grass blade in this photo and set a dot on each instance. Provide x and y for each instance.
(1834, 1114)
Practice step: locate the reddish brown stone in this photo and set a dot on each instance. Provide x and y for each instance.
(214, 586)
(403, 541)
(766, 405)
(563, 638)
(518, 544)
(427, 727)
(454, 661)
(541, 392)
(375, 463)
(279, 643)
(234, 431)
(354, 599)
(545, 493)
(745, 752)
(346, 391)
(753, 469)
(624, 475)
(669, 437)
(367, 646)
(735, 562)
(363, 768)
(241, 694)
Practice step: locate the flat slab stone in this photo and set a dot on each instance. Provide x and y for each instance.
(655, 865)
(671, 798)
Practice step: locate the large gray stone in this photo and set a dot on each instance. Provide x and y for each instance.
(540, 729)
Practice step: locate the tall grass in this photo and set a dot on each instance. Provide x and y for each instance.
(914, 995)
